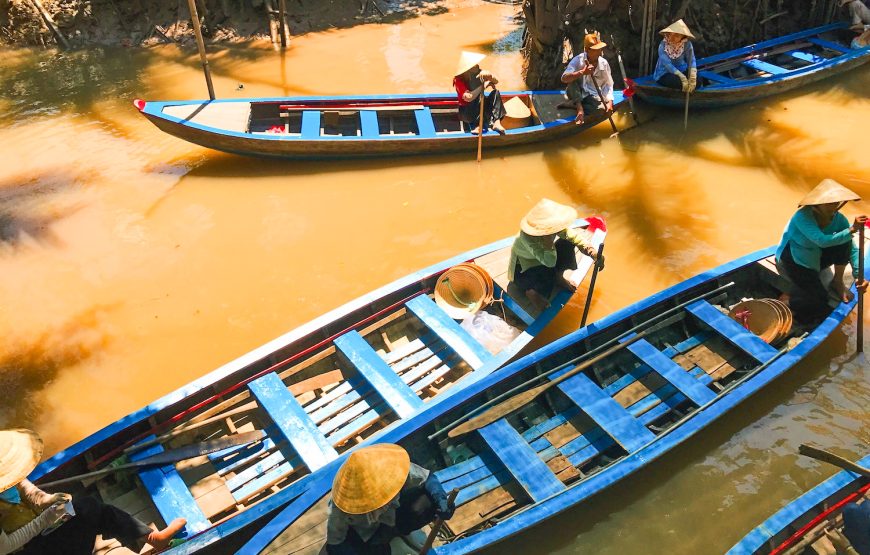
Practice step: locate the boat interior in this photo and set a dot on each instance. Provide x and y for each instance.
(827, 517)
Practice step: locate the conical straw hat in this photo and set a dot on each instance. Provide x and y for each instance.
(516, 108)
(679, 26)
(468, 60)
(759, 317)
(826, 192)
(463, 290)
(547, 217)
(20, 451)
(370, 478)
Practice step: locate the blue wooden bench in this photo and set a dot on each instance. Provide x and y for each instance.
(716, 78)
(425, 125)
(169, 493)
(513, 305)
(368, 121)
(523, 462)
(760, 65)
(732, 331)
(449, 331)
(829, 45)
(310, 124)
(378, 373)
(806, 56)
(672, 372)
(295, 425)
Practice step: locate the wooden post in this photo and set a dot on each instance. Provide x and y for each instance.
(860, 293)
(200, 44)
(282, 9)
(49, 22)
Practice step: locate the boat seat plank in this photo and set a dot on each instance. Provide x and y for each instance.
(425, 124)
(716, 78)
(439, 351)
(310, 124)
(767, 67)
(294, 423)
(606, 412)
(513, 305)
(169, 493)
(829, 45)
(732, 331)
(672, 372)
(408, 349)
(369, 124)
(378, 374)
(806, 56)
(456, 337)
(261, 467)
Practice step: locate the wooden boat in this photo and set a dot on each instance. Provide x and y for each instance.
(799, 526)
(345, 127)
(315, 392)
(650, 376)
(764, 69)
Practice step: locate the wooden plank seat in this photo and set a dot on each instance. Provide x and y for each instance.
(310, 124)
(716, 77)
(829, 45)
(672, 372)
(456, 337)
(732, 331)
(380, 376)
(295, 425)
(767, 67)
(425, 124)
(169, 493)
(806, 56)
(368, 120)
(521, 461)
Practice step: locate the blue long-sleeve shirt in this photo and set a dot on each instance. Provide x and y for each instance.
(666, 64)
(807, 239)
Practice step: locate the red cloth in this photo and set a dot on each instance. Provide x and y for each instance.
(596, 222)
(629, 90)
(461, 89)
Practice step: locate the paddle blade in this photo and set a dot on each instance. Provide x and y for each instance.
(830, 458)
(499, 411)
(199, 449)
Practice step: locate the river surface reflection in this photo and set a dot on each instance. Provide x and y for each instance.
(132, 262)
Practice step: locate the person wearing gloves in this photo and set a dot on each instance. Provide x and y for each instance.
(676, 58)
(379, 498)
(542, 255)
(33, 522)
(859, 12)
(470, 83)
(816, 237)
(587, 74)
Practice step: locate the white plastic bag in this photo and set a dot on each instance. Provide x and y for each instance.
(490, 331)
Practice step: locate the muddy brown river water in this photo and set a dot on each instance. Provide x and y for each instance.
(132, 262)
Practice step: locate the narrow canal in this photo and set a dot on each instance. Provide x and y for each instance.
(132, 262)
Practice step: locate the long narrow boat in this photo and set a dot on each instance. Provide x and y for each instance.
(797, 527)
(763, 69)
(314, 392)
(325, 127)
(649, 378)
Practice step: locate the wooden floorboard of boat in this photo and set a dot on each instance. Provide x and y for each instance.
(229, 116)
(310, 525)
(545, 107)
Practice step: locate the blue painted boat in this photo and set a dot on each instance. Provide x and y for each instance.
(650, 377)
(325, 127)
(795, 528)
(764, 69)
(315, 392)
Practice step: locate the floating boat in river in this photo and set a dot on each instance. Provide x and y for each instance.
(799, 526)
(764, 69)
(314, 393)
(355, 127)
(619, 393)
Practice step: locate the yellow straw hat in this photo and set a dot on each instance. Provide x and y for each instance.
(20, 451)
(463, 290)
(516, 108)
(679, 26)
(547, 217)
(370, 478)
(827, 192)
(759, 317)
(592, 41)
(468, 60)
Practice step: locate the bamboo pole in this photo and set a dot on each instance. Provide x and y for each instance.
(282, 9)
(200, 44)
(862, 277)
(49, 22)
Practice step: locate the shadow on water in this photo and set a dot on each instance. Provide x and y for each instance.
(24, 213)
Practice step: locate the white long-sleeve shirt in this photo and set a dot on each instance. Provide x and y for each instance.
(860, 13)
(602, 76)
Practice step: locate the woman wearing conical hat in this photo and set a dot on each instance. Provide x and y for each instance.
(379, 496)
(470, 83)
(676, 58)
(33, 522)
(816, 237)
(542, 255)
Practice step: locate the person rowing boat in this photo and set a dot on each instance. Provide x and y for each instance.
(470, 83)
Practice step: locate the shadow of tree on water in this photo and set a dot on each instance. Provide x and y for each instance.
(25, 212)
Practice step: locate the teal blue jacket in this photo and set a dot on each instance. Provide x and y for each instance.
(808, 239)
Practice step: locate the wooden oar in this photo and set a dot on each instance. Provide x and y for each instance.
(436, 526)
(604, 103)
(171, 456)
(862, 277)
(686, 115)
(480, 123)
(598, 266)
(830, 458)
(520, 400)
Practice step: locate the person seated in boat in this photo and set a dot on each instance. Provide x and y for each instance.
(27, 512)
(590, 83)
(858, 12)
(470, 83)
(379, 497)
(676, 59)
(816, 237)
(542, 255)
